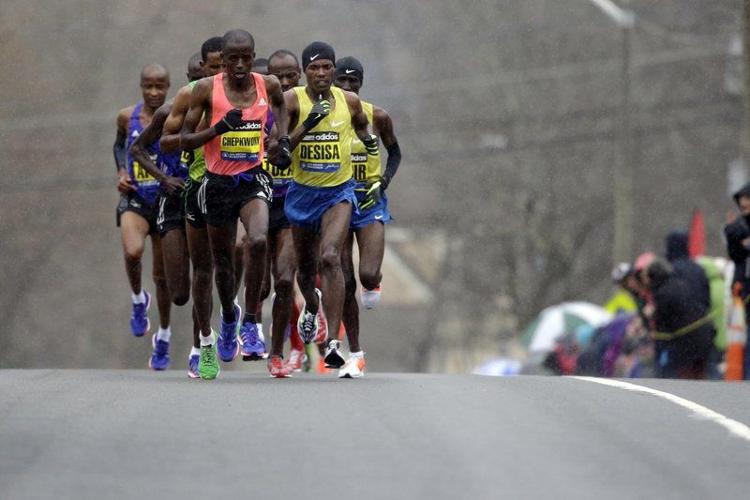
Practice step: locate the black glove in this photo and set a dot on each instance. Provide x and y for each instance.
(371, 145)
(231, 121)
(320, 110)
(284, 156)
(372, 195)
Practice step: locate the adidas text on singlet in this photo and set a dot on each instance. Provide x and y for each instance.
(238, 150)
(322, 158)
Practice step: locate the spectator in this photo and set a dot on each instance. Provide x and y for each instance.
(682, 323)
(737, 233)
(624, 299)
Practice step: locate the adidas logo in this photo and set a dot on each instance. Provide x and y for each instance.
(262, 102)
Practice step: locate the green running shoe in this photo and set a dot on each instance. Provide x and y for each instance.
(208, 365)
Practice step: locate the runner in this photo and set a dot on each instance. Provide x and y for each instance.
(236, 104)
(369, 223)
(321, 196)
(197, 236)
(136, 213)
(171, 173)
(195, 67)
(282, 261)
(260, 66)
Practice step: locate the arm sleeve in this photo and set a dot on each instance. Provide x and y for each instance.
(121, 154)
(394, 160)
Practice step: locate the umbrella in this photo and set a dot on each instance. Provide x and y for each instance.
(554, 321)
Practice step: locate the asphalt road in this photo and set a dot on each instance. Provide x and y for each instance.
(139, 435)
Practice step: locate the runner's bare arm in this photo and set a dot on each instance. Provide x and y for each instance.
(278, 104)
(200, 100)
(383, 127)
(120, 149)
(292, 109)
(359, 118)
(170, 136)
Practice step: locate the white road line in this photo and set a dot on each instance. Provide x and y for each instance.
(734, 427)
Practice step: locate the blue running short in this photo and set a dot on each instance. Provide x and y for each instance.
(377, 213)
(305, 205)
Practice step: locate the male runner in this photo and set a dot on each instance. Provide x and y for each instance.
(369, 223)
(260, 66)
(197, 236)
(195, 67)
(235, 104)
(172, 173)
(320, 198)
(136, 213)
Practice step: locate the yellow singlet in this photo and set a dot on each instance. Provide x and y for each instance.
(323, 157)
(364, 167)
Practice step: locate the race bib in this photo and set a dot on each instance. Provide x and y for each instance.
(243, 144)
(141, 175)
(359, 168)
(319, 152)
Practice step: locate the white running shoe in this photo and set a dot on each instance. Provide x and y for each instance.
(371, 298)
(354, 366)
(333, 358)
(307, 323)
(296, 360)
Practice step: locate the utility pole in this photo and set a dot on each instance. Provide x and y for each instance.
(623, 165)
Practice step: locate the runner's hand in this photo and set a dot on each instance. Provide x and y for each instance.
(371, 145)
(231, 121)
(284, 155)
(372, 196)
(172, 185)
(320, 110)
(124, 184)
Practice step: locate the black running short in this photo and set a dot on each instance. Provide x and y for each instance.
(227, 194)
(194, 206)
(132, 203)
(171, 212)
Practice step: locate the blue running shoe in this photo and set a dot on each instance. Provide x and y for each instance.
(227, 345)
(193, 366)
(160, 355)
(139, 323)
(253, 345)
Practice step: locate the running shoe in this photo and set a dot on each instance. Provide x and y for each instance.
(208, 365)
(322, 335)
(139, 322)
(193, 366)
(354, 366)
(159, 359)
(307, 323)
(371, 298)
(227, 342)
(333, 358)
(296, 361)
(253, 343)
(277, 368)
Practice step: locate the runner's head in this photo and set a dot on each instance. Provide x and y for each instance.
(260, 65)
(349, 74)
(154, 85)
(195, 67)
(318, 62)
(284, 65)
(238, 55)
(211, 56)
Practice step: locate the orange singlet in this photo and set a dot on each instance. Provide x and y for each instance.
(238, 150)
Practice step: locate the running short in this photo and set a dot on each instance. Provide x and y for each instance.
(377, 213)
(194, 194)
(305, 205)
(171, 213)
(277, 217)
(227, 194)
(133, 203)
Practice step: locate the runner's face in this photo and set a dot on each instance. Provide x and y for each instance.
(319, 75)
(154, 89)
(286, 69)
(213, 65)
(195, 72)
(238, 62)
(348, 82)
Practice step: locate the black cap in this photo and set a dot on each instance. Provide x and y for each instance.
(317, 51)
(350, 66)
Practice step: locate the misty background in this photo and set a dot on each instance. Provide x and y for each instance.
(507, 116)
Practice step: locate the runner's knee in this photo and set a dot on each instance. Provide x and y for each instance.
(330, 258)
(257, 242)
